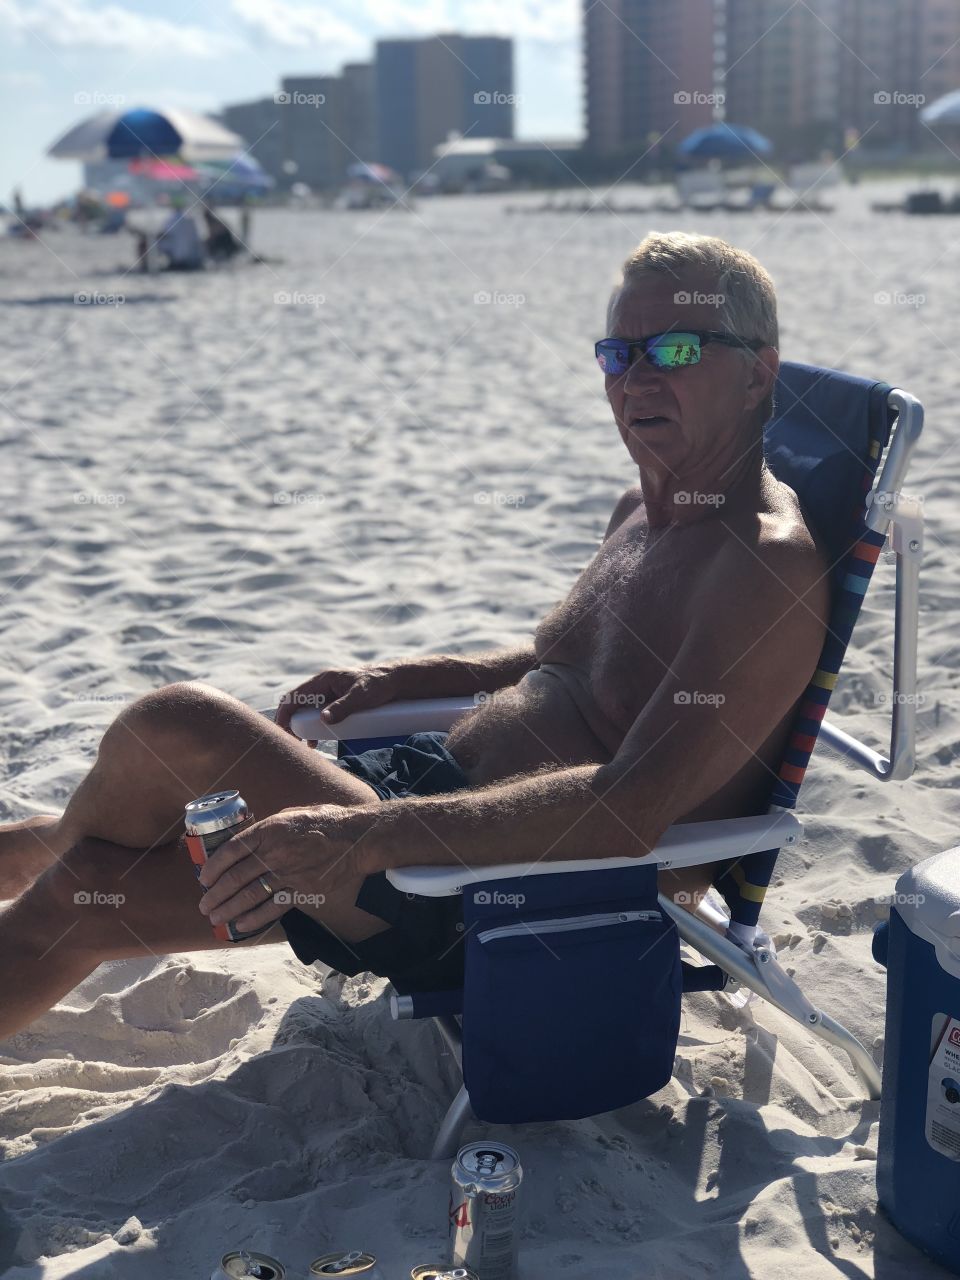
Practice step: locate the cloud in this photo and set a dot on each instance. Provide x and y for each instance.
(77, 24)
(298, 26)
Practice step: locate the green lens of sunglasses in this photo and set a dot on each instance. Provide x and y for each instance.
(674, 351)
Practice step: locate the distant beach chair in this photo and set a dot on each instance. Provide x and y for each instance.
(700, 188)
(571, 1001)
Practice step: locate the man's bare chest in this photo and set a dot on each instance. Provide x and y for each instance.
(623, 621)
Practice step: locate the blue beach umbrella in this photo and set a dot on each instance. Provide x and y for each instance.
(945, 110)
(142, 131)
(725, 142)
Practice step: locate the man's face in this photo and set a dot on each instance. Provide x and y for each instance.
(675, 420)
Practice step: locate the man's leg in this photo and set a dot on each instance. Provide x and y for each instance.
(116, 844)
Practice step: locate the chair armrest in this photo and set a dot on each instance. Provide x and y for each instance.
(409, 715)
(686, 844)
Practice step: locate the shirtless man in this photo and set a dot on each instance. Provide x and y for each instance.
(659, 691)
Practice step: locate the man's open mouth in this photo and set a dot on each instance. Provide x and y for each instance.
(651, 421)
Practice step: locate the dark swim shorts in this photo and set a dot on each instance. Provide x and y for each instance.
(423, 948)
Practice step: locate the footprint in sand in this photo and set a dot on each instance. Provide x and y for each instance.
(177, 1014)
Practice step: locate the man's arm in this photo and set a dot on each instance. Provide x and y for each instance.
(752, 643)
(446, 675)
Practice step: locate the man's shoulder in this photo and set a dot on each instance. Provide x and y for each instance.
(627, 503)
(781, 559)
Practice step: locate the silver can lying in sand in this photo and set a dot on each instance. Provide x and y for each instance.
(447, 1272)
(485, 1182)
(347, 1264)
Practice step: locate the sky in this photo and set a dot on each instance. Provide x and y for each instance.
(61, 60)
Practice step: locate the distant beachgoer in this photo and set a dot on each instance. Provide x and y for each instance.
(222, 244)
(180, 241)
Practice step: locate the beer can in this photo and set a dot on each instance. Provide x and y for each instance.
(443, 1272)
(354, 1263)
(210, 821)
(244, 1264)
(485, 1180)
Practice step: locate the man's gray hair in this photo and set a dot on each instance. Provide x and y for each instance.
(749, 306)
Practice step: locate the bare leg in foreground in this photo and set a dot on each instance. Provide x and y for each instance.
(116, 843)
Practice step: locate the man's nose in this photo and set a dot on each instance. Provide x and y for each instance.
(641, 378)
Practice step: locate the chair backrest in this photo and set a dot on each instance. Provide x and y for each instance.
(825, 439)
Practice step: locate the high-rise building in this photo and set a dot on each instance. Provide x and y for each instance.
(649, 71)
(781, 75)
(430, 89)
(259, 124)
(311, 113)
(359, 111)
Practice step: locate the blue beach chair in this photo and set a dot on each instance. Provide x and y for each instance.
(543, 1028)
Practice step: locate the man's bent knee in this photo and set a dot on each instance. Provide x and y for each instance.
(185, 719)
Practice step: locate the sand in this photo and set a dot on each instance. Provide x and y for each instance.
(205, 482)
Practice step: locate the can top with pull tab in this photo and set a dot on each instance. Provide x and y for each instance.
(243, 1264)
(448, 1271)
(215, 812)
(490, 1165)
(344, 1264)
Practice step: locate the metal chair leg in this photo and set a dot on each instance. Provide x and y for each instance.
(759, 970)
(447, 1142)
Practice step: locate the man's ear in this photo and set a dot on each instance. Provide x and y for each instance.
(763, 376)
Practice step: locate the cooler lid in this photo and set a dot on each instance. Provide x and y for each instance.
(928, 901)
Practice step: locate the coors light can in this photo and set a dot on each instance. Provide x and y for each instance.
(486, 1177)
(210, 821)
(243, 1264)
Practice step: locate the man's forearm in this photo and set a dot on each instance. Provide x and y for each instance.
(550, 816)
(446, 675)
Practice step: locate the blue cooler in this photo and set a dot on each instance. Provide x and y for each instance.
(918, 1165)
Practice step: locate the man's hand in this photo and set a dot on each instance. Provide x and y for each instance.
(340, 691)
(305, 855)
